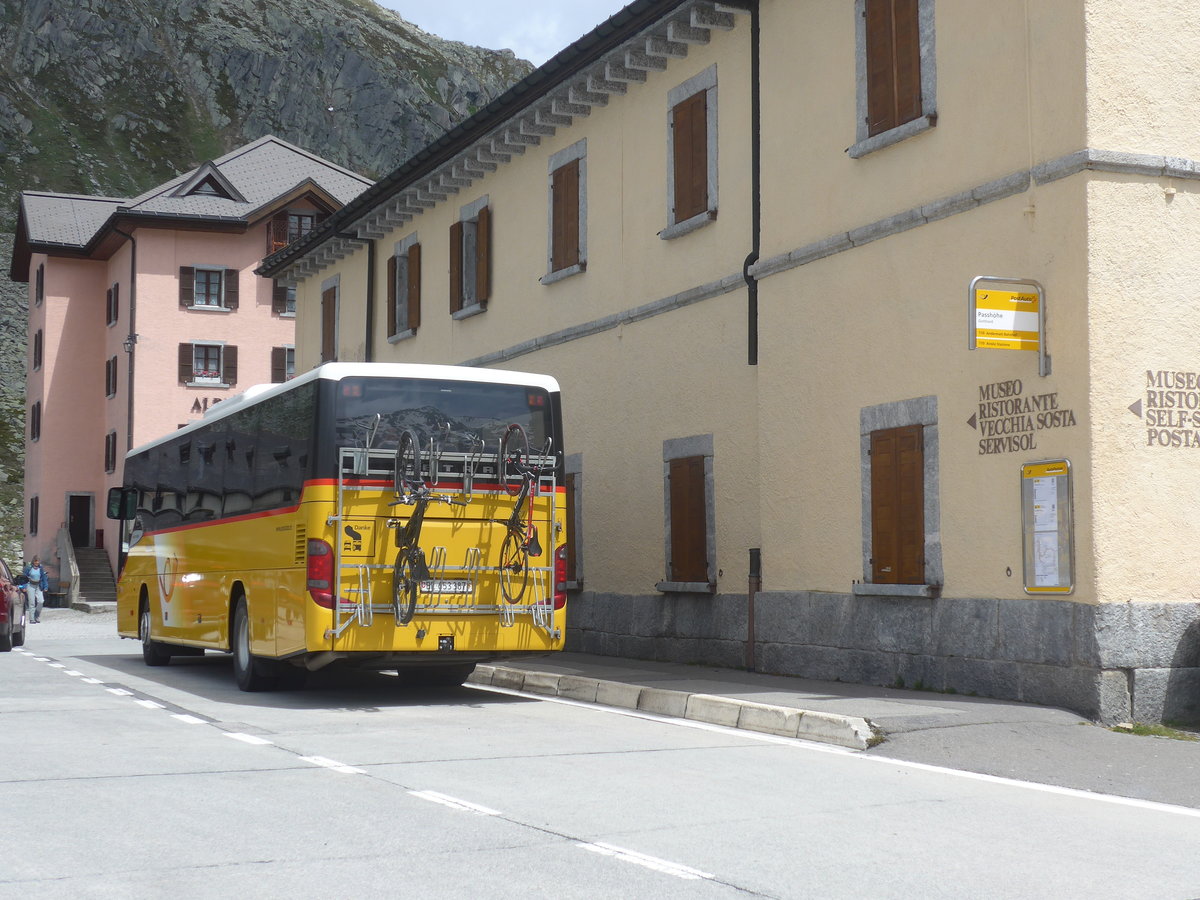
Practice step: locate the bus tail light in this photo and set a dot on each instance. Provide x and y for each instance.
(560, 576)
(320, 572)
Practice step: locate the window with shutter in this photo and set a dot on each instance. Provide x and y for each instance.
(187, 285)
(470, 259)
(33, 516)
(896, 72)
(898, 506)
(38, 349)
(39, 285)
(229, 364)
(35, 421)
(278, 364)
(692, 154)
(404, 288)
(283, 298)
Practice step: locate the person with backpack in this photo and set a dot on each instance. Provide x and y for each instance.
(36, 585)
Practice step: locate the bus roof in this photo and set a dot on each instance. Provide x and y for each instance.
(336, 371)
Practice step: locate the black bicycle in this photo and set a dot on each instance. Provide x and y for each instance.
(521, 540)
(411, 489)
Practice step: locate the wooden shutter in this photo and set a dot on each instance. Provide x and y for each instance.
(456, 266)
(483, 255)
(898, 506)
(186, 356)
(231, 288)
(328, 324)
(187, 285)
(690, 123)
(278, 364)
(229, 363)
(116, 301)
(689, 527)
(391, 295)
(279, 294)
(893, 63)
(564, 215)
(414, 287)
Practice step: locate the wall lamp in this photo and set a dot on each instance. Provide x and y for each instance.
(129, 342)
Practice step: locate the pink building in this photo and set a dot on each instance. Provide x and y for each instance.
(143, 313)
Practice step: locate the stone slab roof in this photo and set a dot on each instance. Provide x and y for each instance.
(257, 174)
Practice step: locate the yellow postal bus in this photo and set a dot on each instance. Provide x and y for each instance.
(404, 517)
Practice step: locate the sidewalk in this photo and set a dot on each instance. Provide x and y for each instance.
(849, 715)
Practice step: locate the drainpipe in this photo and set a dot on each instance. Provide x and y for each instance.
(755, 186)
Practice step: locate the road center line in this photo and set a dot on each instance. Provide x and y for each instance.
(455, 803)
(649, 862)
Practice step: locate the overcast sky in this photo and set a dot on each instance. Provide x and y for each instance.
(533, 29)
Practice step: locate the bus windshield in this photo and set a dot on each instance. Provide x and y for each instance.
(457, 414)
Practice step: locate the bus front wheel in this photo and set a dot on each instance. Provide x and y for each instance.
(153, 652)
(247, 670)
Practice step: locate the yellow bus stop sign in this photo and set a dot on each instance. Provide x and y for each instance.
(1006, 320)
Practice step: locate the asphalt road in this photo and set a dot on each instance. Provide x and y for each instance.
(125, 781)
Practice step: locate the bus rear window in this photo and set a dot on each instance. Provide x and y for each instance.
(457, 414)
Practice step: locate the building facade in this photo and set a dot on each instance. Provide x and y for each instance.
(143, 313)
(803, 435)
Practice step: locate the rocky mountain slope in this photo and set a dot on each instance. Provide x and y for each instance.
(112, 97)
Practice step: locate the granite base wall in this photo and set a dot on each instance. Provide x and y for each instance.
(1112, 662)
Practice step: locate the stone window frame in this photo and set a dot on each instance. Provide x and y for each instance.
(219, 381)
(916, 411)
(705, 81)
(680, 448)
(864, 142)
(566, 156)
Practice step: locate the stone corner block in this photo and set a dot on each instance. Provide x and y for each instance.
(663, 702)
(617, 693)
(541, 683)
(713, 710)
(513, 679)
(482, 674)
(781, 720)
(577, 687)
(845, 731)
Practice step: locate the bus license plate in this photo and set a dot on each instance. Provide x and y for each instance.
(445, 587)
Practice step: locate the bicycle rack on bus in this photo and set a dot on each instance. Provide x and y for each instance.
(454, 588)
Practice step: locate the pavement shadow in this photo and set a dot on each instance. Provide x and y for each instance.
(362, 690)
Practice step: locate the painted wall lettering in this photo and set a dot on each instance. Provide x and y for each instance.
(1170, 408)
(1008, 420)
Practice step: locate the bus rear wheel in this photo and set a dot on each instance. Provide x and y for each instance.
(154, 653)
(247, 670)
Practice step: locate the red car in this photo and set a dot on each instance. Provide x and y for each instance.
(12, 611)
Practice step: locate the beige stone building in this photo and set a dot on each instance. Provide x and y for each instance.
(746, 238)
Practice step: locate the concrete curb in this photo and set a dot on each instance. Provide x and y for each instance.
(844, 731)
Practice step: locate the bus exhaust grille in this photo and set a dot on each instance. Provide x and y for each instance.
(301, 545)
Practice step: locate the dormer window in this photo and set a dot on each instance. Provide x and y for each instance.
(288, 227)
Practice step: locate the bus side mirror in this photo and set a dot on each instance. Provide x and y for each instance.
(122, 503)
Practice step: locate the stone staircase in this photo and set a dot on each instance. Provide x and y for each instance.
(96, 582)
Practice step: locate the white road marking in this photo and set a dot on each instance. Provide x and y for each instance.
(120, 692)
(73, 673)
(650, 862)
(247, 738)
(57, 666)
(814, 747)
(334, 765)
(92, 681)
(149, 704)
(455, 803)
(42, 658)
(191, 720)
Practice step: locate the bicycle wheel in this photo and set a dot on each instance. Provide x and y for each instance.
(514, 458)
(514, 568)
(408, 462)
(404, 587)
